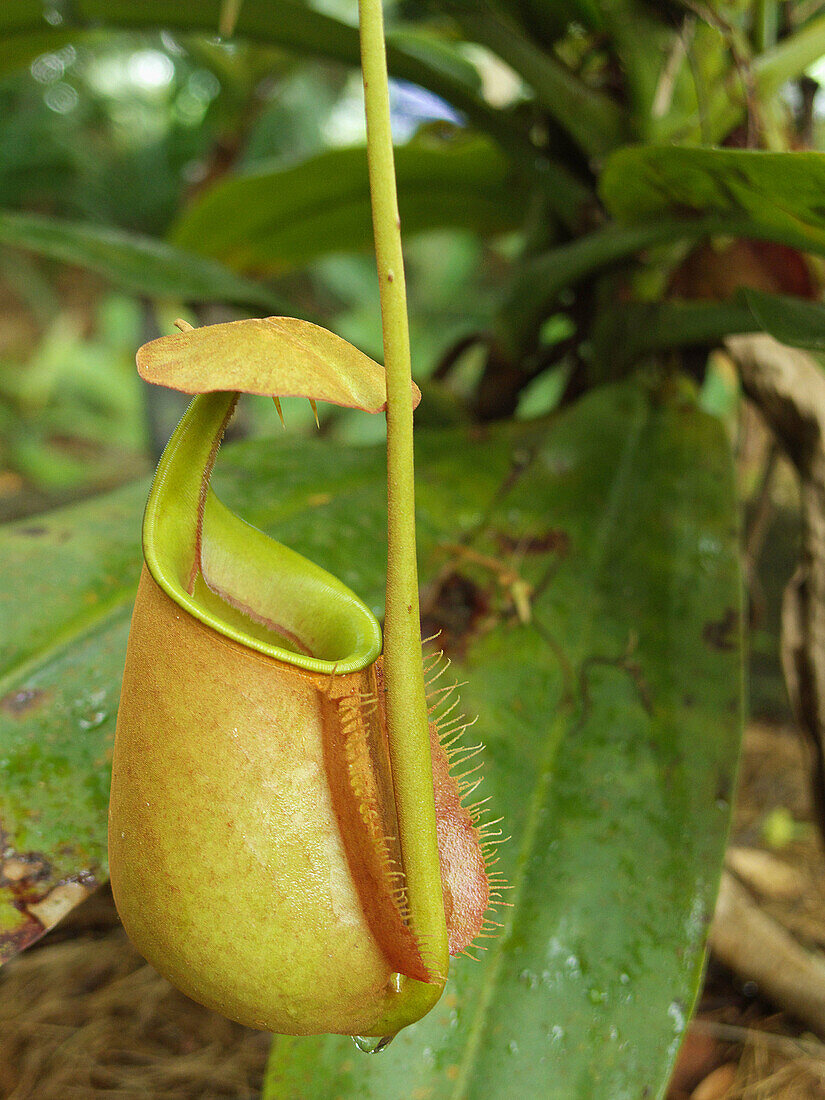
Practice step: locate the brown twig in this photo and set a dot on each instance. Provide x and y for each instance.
(759, 949)
(788, 387)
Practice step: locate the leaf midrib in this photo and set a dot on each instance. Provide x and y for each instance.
(553, 740)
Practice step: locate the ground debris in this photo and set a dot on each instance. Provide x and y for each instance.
(83, 1015)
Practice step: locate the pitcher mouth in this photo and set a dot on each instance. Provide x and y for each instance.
(233, 577)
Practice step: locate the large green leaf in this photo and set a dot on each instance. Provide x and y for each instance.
(595, 121)
(778, 195)
(271, 219)
(138, 264)
(64, 608)
(611, 720)
(623, 334)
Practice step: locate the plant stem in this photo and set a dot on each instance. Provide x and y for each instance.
(790, 58)
(765, 24)
(406, 703)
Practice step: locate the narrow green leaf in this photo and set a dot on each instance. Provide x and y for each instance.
(775, 195)
(792, 321)
(623, 335)
(138, 264)
(537, 282)
(547, 20)
(272, 219)
(437, 52)
(790, 57)
(765, 24)
(596, 122)
(611, 767)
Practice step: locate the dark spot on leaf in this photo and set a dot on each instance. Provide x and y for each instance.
(12, 943)
(688, 701)
(723, 633)
(453, 610)
(552, 541)
(32, 532)
(21, 702)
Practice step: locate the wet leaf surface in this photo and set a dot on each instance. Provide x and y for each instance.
(612, 729)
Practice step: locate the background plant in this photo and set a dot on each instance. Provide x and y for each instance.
(586, 189)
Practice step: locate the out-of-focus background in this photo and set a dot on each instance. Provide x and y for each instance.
(124, 130)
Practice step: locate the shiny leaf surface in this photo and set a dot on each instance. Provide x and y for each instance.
(269, 220)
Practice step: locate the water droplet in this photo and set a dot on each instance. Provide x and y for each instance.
(676, 1013)
(93, 720)
(596, 996)
(624, 978)
(512, 1047)
(370, 1045)
(530, 979)
(556, 1033)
